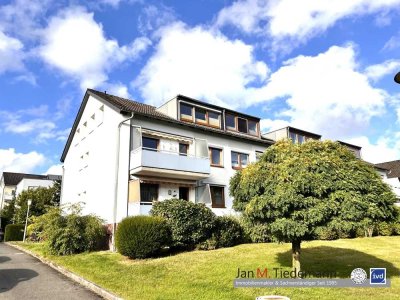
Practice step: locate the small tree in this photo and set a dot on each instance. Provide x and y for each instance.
(297, 188)
(41, 197)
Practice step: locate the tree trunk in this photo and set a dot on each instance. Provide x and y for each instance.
(296, 256)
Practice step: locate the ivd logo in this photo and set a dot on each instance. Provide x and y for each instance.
(377, 275)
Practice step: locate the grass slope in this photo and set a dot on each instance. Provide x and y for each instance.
(210, 274)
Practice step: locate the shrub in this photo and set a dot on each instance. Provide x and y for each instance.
(190, 223)
(384, 229)
(228, 232)
(361, 232)
(70, 233)
(142, 236)
(14, 232)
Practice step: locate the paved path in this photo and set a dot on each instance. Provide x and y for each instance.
(24, 277)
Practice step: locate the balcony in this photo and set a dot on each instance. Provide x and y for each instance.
(169, 164)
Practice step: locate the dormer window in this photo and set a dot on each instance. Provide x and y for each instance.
(230, 122)
(214, 119)
(252, 127)
(186, 112)
(200, 115)
(240, 124)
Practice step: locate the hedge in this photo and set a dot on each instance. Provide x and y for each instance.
(14, 232)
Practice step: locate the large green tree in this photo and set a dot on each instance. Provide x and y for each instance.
(296, 188)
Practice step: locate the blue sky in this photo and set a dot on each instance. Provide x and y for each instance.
(324, 66)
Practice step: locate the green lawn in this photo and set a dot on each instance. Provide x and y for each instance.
(210, 274)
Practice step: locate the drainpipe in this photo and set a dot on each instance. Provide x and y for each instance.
(116, 181)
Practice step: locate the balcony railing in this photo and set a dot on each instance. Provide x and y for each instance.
(152, 160)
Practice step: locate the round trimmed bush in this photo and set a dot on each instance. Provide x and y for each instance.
(228, 232)
(14, 232)
(190, 223)
(142, 236)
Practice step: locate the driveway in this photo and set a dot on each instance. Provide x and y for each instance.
(25, 277)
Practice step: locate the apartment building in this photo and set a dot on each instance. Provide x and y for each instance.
(12, 184)
(122, 155)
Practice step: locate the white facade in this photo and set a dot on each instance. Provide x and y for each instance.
(91, 164)
(27, 184)
(218, 176)
(91, 171)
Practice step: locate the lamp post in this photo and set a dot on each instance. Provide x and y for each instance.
(397, 78)
(26, 220)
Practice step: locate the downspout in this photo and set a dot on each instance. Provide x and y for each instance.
(116, 181)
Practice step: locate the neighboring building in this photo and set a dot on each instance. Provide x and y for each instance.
(121, 155)
(299, 136)
(12, 184)
(392, 176)
(295, 134)
(353, 148)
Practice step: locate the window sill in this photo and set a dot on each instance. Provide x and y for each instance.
(216, 166)
(212, 206)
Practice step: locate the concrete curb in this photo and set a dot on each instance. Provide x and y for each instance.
(82, 281)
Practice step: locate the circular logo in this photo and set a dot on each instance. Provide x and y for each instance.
(358, 276)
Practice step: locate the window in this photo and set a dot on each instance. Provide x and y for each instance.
(242, 125)
(214, 119)
(216, 157)
(300, 139)
(149, 143)
(201, 115)
(183, 149)
(239, 160)
(217, 196)
(148, 193)
(230, 122)
(186, 112)
(253, 127)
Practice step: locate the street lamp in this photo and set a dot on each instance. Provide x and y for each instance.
(26, 220)
(397, 78)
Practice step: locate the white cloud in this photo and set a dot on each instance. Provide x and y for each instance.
(269, 124)
(16, 126)
(11, 54)
(325, 94)
(36, 123)
(393, 43)
(54, 170)
(12, 161)
(383, 150)
(297, 21)
(154, 17)
(117, 89)
(199, 63)
(75, 44)
(376, 72)
(22, 17)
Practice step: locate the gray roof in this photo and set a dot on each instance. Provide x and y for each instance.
(393, 167)
(129, 106)
(11, 178)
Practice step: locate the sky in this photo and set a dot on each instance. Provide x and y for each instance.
(323, 66)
